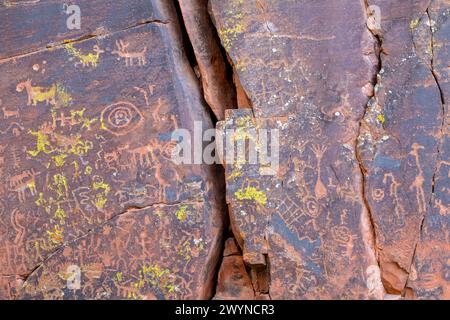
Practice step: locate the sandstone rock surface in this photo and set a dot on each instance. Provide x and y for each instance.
(359, 207)
(87, 182)
(352, 203)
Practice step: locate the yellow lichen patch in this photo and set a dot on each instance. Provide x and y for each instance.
(79, 147)
(88, 170)
(100, 198)
(233, 26)
(100, 201)
(88, 122)
(228, 35)
(161, 278)
(42, 94)
(90, 59)
(42, 143)
(245, 121)
(414, 23)
(235, 174)
(60, 185)
(134, 296)
(40, 200)
(181, 214)
(63, 97)
(380, 118)
(155, 276)
(59, 160)
(101, 185)
(60, 214)
(185, 250)
(251, 193)
(76, 170)
(56, 235)
(158, 213)
(118, 277)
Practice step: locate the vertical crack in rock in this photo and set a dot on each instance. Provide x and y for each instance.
(398, 146)
(285, 68)
(369, 220)
(207, 58)
(222, 88)
(133, 224)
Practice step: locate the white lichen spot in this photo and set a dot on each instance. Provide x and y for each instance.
(373, 281)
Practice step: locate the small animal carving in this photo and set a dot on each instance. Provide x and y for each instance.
(86, 60)
(22, 182)
(130, 57)
(38, 94)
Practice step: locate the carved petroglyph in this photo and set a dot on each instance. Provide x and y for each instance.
(17, 222)
(86, 60)
(393, 192)
(16, 157)
(10, 113)
(15, 128)
(419, 180)
(156, 113)
(76, 117)
(38, 94)
(151, 90)
(443, 209)
(150, 156)
(289, 212)
(128, 55)
(378, 194)
(55, 95)
(22, 182)
(121, 118)
(320, 189)
(289, 36)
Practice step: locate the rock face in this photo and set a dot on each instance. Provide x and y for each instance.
(233, 280)
(430, 272)
(359, 206)
(310, 217)
(400, 137)
(341, 103)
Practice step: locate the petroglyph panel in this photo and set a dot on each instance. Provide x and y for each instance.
(154, 253)
(429, 277)
(314, 222)
(400, 137)
(48, 22)
(86, 137)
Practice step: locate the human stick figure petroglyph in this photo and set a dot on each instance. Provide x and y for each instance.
(320, 189)
(130, 56)
(419, 180)
(393, 192)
